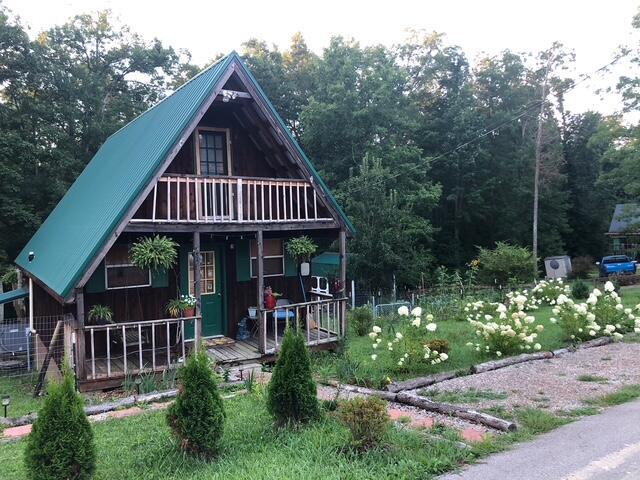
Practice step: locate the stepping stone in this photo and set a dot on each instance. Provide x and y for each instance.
(17, 432)
(472, 435)
(425, 423)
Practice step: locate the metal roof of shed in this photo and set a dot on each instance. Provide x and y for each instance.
(80, 225)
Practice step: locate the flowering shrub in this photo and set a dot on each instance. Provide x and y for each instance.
(524, 299)
(601, 315)
(504, 330)
(547, 291)
(406, 343)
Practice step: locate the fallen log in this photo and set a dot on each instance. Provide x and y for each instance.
(388, 396)
(420, 382)
(563, 351)
(456, 411)
(505, 362)
(596, 342)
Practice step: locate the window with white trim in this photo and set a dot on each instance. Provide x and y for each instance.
(207, 273)
(119, 272)
(273, 257)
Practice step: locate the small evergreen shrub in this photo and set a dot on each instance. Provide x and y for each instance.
(292, 392)
(582, 267)
(361, 318)
(61, 444)
(440, 345)
(197, 416)
(580, 290)
(367, 420)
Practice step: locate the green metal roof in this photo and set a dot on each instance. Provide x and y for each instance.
(12, 295)
(79, 226)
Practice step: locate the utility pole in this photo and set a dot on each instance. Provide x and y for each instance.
(536, 180)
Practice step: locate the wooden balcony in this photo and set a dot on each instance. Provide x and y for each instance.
(180, 199)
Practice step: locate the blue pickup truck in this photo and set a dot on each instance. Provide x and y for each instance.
(617, 265)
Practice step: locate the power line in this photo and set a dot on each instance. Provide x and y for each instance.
(485, 132)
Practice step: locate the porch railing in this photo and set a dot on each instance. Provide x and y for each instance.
(197, 199)
(321, 321)
(119, 349)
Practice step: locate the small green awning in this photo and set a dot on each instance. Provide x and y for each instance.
(12, 295)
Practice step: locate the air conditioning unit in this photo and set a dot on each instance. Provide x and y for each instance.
(558, 267)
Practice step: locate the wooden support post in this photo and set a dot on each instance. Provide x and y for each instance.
(343, 279)
(79, 326)
(260, 292)
(197, 290)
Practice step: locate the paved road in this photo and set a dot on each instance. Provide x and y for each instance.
(600, 447)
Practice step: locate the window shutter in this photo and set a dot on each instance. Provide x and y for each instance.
(160, 278)
(243, 259)
(96, 284)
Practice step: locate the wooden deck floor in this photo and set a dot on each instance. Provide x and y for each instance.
(247, 350)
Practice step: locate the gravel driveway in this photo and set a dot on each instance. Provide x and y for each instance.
(554, 383)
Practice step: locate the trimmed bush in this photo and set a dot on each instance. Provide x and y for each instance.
(505, 265)
(361, 318)
(197, 416)
(61, 444)
(367, 420)
(440, 345)
(292, 392)
(580, 290)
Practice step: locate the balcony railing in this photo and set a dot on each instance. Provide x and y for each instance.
(195, 199)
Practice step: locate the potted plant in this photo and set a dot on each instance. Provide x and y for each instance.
(100, 315)
(184, 306)
(154, 253)
(301, 249)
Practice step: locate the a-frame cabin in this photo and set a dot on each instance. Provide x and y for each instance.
(214, 167)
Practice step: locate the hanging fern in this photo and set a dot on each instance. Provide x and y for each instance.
(154, 253)
(10, 276)
(301, 248)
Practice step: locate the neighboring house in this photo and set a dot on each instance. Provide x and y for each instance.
(624, 230)
(214, 167)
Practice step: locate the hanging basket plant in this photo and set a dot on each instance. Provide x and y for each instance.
(301, 248)
(154, 253)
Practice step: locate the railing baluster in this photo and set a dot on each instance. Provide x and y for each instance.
(240, 213)
(155, 202)
(290, 201)
(153, 346)
(93, 357)
(270, 201)
(196, 187)
(108, 352)
(168, 345)
(182, 338)
(255, 201)
(230, 199)
(298, 198)
(168, 198)
(178, 199)
(275, 328)
(124, 348)
(188, 201)
(262, 201)
(278, 201)
(315, 203)
(307, 324)
(140, 346)
(206, 200)
(306, 204)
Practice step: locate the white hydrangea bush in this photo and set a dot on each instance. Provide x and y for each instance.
(546, 292)
(403, 345)
(523, 298)
(602, 314)
(502, 329)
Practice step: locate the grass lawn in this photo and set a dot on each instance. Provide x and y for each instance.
(354, 364)
(142, 448)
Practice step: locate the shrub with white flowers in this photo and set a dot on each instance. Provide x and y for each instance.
(524, 299)
(504, 330)
(405, 342)
(603, 314)
(547, 291)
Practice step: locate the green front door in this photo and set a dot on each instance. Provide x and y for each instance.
(212, 289)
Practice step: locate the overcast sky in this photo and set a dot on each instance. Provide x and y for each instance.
(594, 29)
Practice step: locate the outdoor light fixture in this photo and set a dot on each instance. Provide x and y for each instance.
(31, 256)
(6, 400)
(138, 382)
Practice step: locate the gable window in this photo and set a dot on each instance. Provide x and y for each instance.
(273, 257)
(213, 152)
(121, 273)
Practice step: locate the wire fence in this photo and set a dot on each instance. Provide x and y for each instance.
(33, 356)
